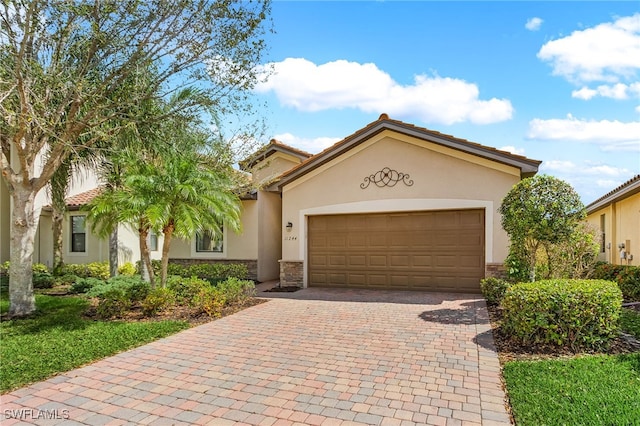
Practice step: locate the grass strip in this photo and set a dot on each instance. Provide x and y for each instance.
(57, 339)
(590, 390)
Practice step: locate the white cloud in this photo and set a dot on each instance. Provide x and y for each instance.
(305, 86)
(533, 24)
(618, 91)
(610, 135)
(608, 52)
(312, 146)
(512, 149)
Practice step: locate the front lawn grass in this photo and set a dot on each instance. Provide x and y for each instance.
(589, 390)
(57, 339)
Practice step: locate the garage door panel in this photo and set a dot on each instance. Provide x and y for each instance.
(433, 250)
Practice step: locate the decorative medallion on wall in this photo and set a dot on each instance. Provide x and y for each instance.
(386, 177)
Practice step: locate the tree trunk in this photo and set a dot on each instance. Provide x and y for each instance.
(24, 225)
(58, 259)
(168, 233)
(145, 256)
(113, 252)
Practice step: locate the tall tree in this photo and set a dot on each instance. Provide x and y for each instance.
(62, 69)
(538, 210)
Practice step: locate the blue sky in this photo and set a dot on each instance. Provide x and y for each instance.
(554, 81)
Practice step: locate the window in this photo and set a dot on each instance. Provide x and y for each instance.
(153, 241)
(209, 242)
(78, 234)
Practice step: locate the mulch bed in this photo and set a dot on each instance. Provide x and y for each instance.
(285, 289)
(510, 351)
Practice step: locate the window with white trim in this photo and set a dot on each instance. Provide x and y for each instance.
(78, 234)
(209, 242)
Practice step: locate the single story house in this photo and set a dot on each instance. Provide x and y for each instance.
(616, 216)
(391, 206)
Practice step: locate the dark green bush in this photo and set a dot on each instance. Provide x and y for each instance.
(43, 280)
(67, 279)
(629, 282)
(132, 288)
(185, 289)
(607, 271)
(215, 272)
(236, 291)
(83, 285)
(581, 314)
(493, 289)
(113, 303)
(157, 300)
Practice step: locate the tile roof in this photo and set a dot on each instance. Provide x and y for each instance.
(271, 148)
(384, 122)
(83, 198)
(630, 187)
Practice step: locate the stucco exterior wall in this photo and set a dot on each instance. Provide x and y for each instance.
(443, 179)
(274, 166)
(243, 245)
(270, 238)
(622, 225)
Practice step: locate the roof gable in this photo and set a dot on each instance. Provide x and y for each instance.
(528, 167)
(270, 149)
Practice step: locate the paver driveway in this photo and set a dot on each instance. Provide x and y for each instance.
(329, 357)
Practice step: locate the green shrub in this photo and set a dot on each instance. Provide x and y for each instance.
(493, 289)
(43, 280)
(214, 272)
(40, 268)
(210, 300)
(132, 288)
(236, 291)
(581, 314)
(629, 282)
(607, 271)
(157, 300)
(88, 270)
(127, 269)
(66, 279)
(186, 289)
(113, 303)
(83, 285)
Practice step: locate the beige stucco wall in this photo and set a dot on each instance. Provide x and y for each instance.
(274, 166)
(270, 238)
(622, 224)
(243, 245)
(443, 179)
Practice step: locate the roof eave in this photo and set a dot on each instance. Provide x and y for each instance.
(614, 196)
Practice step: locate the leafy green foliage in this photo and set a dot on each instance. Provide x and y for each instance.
(210, 300)
(66, 279)
(236, 291)
(630, 322)
(607, 271)
(157, 300)
(185, 289)
(493, 289)
(537, 210)
(98, 270)
(580, 314)
(629, 282)
(589, 390)
(112, 303)
(59, 338)
(83, 285)
(127, 269)
(132, 288)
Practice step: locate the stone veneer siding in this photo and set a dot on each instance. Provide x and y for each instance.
(495, 270)
(291, 273)
(252, 265)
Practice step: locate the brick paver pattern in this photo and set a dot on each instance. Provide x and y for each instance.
(314, 357)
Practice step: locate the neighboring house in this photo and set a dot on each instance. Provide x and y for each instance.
(390, 206)
(616, 216)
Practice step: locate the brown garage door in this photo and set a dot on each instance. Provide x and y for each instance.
(434, 250)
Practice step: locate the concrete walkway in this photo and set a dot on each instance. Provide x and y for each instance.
(313, 357)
